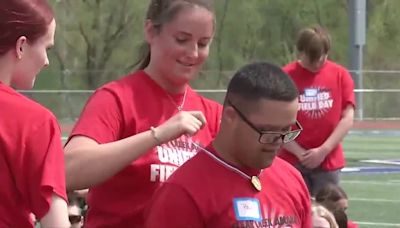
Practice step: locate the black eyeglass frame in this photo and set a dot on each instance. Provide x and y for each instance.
(279, 135)
(75, 218)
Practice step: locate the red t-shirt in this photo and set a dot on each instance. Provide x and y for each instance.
(351, 224)
(206, 193)
(323, 97)
(31, 159)
(127, 107)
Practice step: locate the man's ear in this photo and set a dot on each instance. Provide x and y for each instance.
(229, 114)
(20, 46)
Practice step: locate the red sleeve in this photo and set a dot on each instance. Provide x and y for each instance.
(306, 202)
(217, 117)
(41, 170)
(347, 90)
(172, 207)
(351, 224)
(302, 193)
(101, 118)
(307, 220)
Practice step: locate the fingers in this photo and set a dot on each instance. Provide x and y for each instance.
(195, 122)
(308, 164)
(192, 130)
(188, 123)
(199, 116)
(307, 160)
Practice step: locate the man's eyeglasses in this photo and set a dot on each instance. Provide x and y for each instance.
(267, 137)
(75, 219)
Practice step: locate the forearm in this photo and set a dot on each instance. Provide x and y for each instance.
(91, 164)
(57, 216)
(294, 148)
(338, 133)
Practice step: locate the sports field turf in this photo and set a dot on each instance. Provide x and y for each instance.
(374, 196)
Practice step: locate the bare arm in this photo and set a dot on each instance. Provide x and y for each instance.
(57, 216)
(343, 127)
(315, 156)
(294, 148)
(89, 163)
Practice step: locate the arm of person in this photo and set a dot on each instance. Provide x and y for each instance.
(57, 216)
(315, 156)
(345, 124)
(40, 174)
(173, 207)
(294, 148)
(89, 163)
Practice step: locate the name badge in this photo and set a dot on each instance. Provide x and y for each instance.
(247, 209)
(310, 92)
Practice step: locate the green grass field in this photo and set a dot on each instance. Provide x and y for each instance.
(374, 198)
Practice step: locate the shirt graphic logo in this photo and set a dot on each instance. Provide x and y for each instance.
(315, 102)
(171, 155)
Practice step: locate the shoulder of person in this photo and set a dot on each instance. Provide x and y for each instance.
(124, 82)
(207, 102)
(29, 110)
(338, 67)
(290, 66)
(281, 164)
(190, 173)
(122, 87)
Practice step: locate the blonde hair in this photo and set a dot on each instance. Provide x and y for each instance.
(322, 212)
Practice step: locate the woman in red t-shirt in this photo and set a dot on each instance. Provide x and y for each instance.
(136, 131)
(32, 172)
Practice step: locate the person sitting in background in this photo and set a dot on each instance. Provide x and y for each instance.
(341, 218)
(334, 198)
(75, 210)
(322, 217)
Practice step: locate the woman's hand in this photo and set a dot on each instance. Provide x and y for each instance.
(184, 122)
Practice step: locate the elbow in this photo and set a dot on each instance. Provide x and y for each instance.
(69, 182)
(70, 171)
(348, 117)
(349, 122)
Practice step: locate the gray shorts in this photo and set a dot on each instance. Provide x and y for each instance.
(317, 178)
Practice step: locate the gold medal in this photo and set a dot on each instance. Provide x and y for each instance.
(256, 183)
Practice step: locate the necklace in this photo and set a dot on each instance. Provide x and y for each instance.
(179, 107)
(254, 180)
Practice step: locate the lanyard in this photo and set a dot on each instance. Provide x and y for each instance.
(254, 180)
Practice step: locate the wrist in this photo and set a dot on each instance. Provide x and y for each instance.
(325, 150)
(155, 135)
(299, 153)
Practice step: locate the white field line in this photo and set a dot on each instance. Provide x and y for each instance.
(374, 200)
(380, 224)
(370, 182)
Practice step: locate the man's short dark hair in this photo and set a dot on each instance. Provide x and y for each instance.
(261, 80)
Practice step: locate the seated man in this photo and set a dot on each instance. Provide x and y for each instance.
(237, 180)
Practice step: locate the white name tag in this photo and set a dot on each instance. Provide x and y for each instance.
(310, 92)
(247, 209)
